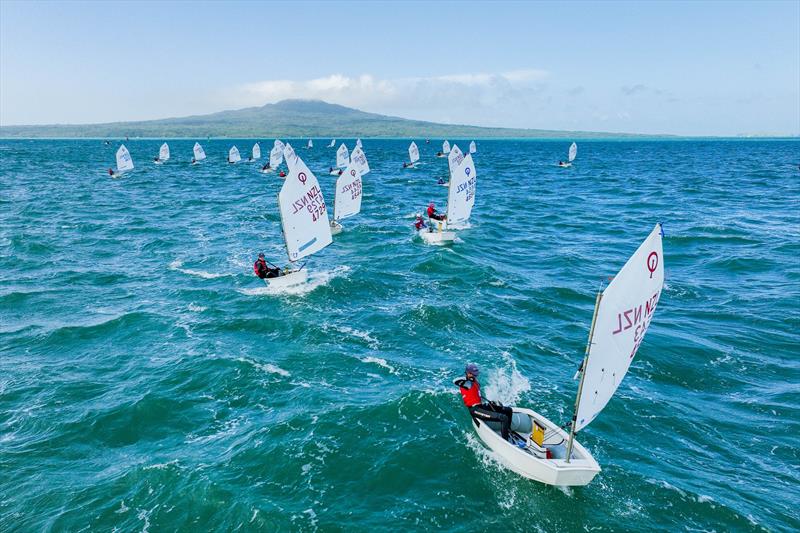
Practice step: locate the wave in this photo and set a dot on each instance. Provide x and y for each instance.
(315, 280)
(177, 264)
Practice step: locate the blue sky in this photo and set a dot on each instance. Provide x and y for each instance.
(690, 68)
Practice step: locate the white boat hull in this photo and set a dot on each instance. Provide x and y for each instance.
(296, 277)
(565, 165)
(437, 237)
(336, 228)
(524, 461)
(267, 170)
(335, 172)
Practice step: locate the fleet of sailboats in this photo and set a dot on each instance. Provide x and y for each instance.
(537, 448)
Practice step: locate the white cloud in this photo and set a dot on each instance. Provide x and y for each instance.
(438, 98)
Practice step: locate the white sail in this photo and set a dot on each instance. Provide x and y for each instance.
(456, 155)
(310, 143)
(573, 151)
(199, 153)
(279, 144)
(623, 315)
(233, 155)
(124, 161)
(332, 144)
(472, 147)
(256, 151)
(289, 155)
(275, 156)
(413, 152)
(348, 194)
(359, 160)
(163, 153)
(358, 143)
(304, 216)
(342, 156)
(461, 193)
(446, 147)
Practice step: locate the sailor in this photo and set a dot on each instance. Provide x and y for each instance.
(156, 160)
(439, 154)
(561, 164)
(193, 161)
(262, 270)
(432, 213)
(265, 167)
(282, 174)
(110, 171)
(470, 391)
(419, 223)
(441, 181)
(406, 165)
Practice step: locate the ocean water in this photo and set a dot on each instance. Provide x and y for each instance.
(149, 382)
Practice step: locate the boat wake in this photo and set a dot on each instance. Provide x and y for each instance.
(177, 264)
(315, 280)
(506, 384)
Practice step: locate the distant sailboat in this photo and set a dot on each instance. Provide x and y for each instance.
(573, 151)
(199, 153)
(413, 155)
(472, 147)
(358, 143)
(256, 152)
(233, 155)
(332, 144)
(163, 154)
(124, 162)
(342, 160)
(347, 201)
(275, 158)
(445, 150)
(310, 144)
(460, 199)
(359, 160)
(541, 450)
(304, 219)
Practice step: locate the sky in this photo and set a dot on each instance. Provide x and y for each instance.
(685, 68)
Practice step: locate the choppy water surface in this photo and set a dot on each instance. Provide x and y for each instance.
(148, 381)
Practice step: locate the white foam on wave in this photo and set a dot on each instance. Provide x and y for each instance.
(506, 384)
(177, 264)
(380, 362)
(269, 368)
(315, 280)
(347, 330)
(196, 308)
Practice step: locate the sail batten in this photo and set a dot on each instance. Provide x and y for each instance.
(623, 316)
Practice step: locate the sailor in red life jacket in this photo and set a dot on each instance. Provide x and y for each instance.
(262, 270)
(282, 174)
(433, 214)
(470, 391)
(419, 224)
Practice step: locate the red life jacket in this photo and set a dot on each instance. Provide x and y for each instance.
(472, 395)
(431, 210)
(260, 268)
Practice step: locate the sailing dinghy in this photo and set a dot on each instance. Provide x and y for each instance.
(347, 201)
(124, 162)
(359, 160)
(199, 153)
(342, 160)
(310, 144)
(541, 450)
(445, 149)
(233, 155)
(413, 155)
(332, 144)
(472, 147)
(460, 199)
(573, 151)
(163, 154)
(304, 219)
(256, 152)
